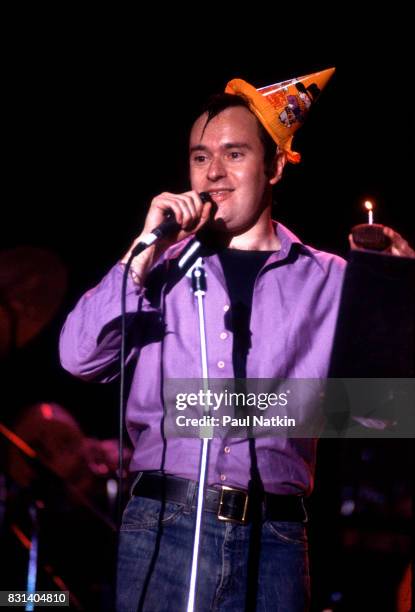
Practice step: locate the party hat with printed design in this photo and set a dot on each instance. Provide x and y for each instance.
(283, 107)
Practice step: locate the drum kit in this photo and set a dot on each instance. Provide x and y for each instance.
(47, 457)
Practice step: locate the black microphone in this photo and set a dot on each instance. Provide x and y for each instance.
(168, 227)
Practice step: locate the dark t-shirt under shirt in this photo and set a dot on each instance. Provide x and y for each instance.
(241, 269)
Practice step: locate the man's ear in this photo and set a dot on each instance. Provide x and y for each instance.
(277, 168)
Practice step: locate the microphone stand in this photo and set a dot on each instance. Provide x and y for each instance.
(33, 555)
(199, 288)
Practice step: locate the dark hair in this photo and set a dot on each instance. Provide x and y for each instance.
(219, 102)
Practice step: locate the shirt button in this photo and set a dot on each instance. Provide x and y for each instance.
(223, 477)
(223, 336)
(226, 308)
(221, 364)
(227, 450)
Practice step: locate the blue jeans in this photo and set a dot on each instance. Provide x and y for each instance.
(155, 553)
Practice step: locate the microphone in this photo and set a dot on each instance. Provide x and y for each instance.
(168, 227)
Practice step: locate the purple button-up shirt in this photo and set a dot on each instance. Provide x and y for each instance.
(293, 318)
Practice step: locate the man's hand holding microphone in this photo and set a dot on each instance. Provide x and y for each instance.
(170, 219)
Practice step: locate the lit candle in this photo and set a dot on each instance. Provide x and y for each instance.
(369, 208)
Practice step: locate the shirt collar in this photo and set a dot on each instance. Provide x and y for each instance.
(288, 240)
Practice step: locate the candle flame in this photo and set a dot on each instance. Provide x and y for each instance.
(368, 205)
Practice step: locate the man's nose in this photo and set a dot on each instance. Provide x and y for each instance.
(216, 169)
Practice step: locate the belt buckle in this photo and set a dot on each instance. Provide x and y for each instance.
(222, 517)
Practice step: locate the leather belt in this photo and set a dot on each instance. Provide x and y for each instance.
(228, 503)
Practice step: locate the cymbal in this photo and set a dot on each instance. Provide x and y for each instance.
(32, 284)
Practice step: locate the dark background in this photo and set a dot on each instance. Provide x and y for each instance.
(98, 112)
